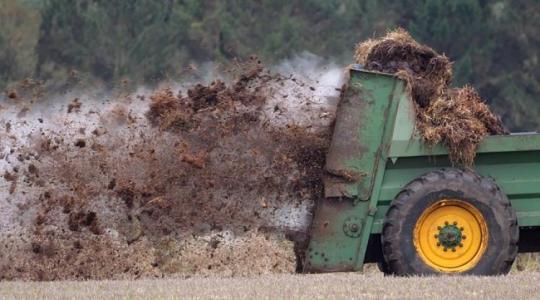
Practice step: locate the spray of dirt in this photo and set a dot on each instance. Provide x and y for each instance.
(191, 179)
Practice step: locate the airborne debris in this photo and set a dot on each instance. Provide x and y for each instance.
(22, 113)
(196, 160)
(12, 94)
(176, 190)
(74, 106)
(80, 143)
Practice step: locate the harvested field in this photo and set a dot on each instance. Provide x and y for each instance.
(328, 286)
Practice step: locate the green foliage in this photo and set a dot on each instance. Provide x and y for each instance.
(455, 27)
(148, 40)
(18, 36)
(495, 46)
(514, 66)
(140, 39)
(495, 43)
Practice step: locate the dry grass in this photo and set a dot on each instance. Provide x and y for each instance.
(460, 120)
(328, 286)
(527, 262)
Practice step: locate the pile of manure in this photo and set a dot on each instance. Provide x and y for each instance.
(455, 117)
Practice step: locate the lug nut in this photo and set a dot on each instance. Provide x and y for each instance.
(461, 245)
(464, 237)
(455, 223)
(446, 223)
(461, 228)
(453, 249)
(439, 227)
(438, 244)
(445, 249)
(436, 236)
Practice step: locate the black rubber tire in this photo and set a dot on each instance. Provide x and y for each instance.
(383, 267)
(399, 252)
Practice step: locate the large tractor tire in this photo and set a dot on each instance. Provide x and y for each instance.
(450, 222)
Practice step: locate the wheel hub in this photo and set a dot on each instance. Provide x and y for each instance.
(450, 236)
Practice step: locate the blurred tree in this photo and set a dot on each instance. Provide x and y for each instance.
(457, 28)
(19, 26)
(512, 81)
(141, 39)
(7, 57)
(494, 46)
(146, 40)
(494, 43)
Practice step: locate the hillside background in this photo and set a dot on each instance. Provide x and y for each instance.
(495, 44)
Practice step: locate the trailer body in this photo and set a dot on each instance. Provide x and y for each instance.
(375, 152)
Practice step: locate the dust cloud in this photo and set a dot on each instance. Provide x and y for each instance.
(222, 178)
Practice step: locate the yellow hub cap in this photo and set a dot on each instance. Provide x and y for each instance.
(451, 236)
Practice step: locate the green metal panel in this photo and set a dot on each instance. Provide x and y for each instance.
(513, 161)
(518, 175)
(492, 144)
(404, 129)
(362, 136)
(358, 135)
(407, 143)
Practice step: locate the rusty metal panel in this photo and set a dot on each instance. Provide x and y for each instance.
(330, 248)
(342, 225)
(357, 140)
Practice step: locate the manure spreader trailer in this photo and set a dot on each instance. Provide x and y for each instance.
(393, 200)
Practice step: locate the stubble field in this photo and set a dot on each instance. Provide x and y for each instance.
(327, 286)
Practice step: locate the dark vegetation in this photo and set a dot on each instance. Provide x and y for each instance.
(494, 43)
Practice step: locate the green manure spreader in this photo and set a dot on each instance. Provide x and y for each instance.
(393, 200)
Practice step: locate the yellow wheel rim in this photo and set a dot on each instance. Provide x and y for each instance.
(451, 236)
